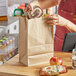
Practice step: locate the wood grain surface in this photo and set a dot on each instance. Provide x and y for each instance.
(14, 68)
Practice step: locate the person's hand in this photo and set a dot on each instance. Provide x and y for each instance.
(51, 19)
(33, 10)
(28, 8)
(55, 20)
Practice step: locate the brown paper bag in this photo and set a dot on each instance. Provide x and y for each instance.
(35, 41)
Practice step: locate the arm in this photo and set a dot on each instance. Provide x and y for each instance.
(68, 24)
(48, 3)
(62, 21)
(71, 26)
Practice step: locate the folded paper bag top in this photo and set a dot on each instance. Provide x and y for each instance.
(35, 41)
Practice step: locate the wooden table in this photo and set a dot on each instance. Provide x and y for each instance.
(14, 68)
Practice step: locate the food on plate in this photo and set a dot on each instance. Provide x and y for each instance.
(53, 70)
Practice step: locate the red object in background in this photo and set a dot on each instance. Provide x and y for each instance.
(67, 9)
(22, 7)
(56, 61)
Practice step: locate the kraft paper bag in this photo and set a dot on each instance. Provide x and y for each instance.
(35, 41)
